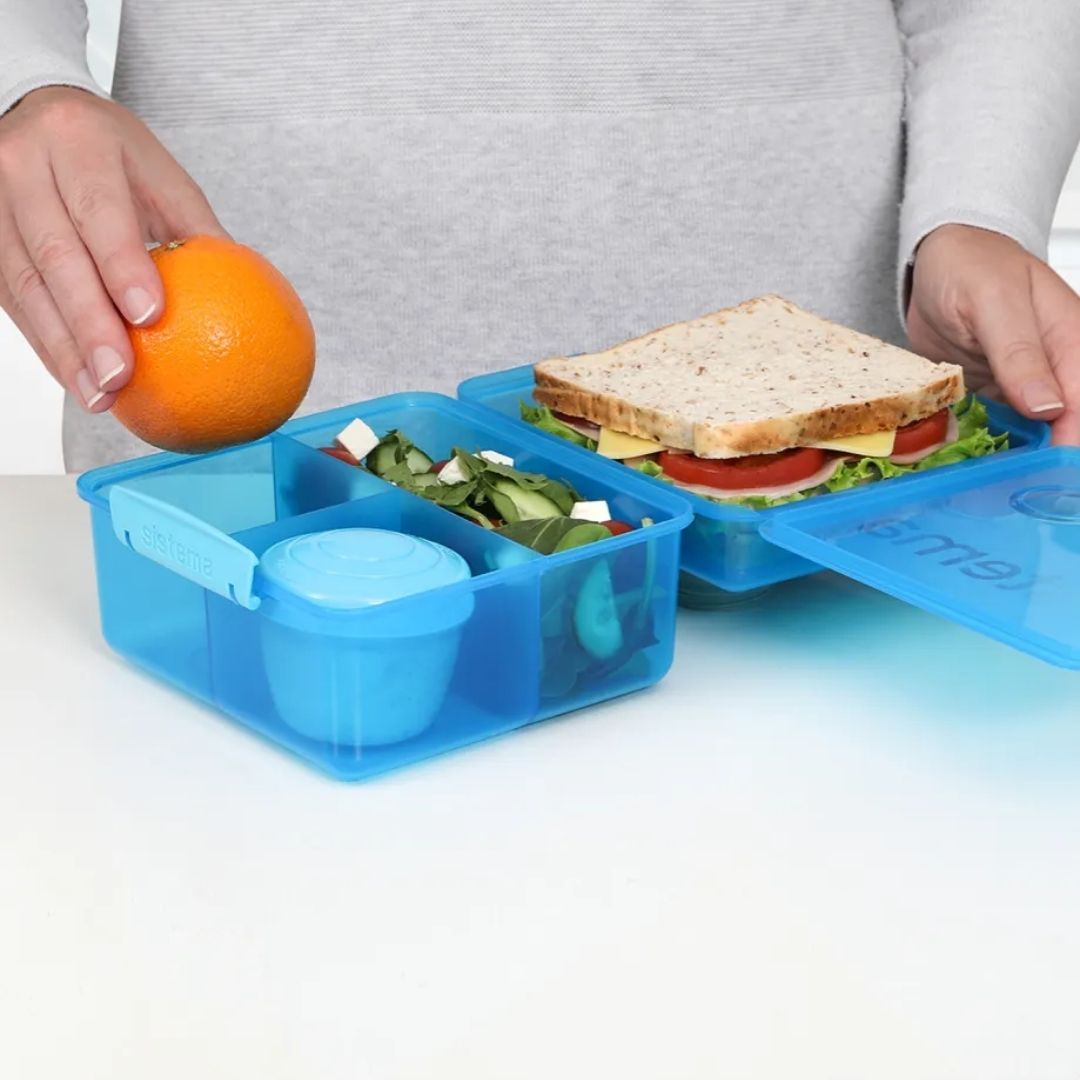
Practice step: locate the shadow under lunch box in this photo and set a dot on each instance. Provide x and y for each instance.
(361, 626)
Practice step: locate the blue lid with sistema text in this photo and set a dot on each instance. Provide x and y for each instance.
(993, 545)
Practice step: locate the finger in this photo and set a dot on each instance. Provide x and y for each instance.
(175, 204)
(1057, 309)
(1066, 430)
(95, 191)
(36, 314)
(59, 256)
(1005, 326)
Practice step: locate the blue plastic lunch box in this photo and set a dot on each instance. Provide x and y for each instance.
(365, 628)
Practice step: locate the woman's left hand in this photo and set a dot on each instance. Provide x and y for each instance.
(980, 300)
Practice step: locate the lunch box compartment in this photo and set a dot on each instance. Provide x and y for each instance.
(724, 550)
(180, 544)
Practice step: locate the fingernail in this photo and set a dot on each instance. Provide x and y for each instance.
(108, 363)
(88, 388)
(138, 305)
(1041, 397)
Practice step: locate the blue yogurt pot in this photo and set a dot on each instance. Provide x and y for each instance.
(341, 673)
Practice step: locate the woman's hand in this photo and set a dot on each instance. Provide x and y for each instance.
(84, 185)
(980, 300)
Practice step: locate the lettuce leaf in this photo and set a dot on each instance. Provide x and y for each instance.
(542, 417)
(646, 466)
(974, 439)
(864, 471)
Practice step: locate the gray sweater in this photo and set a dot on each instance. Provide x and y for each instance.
(457, 186)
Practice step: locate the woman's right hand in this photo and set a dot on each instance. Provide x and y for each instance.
(84, 186)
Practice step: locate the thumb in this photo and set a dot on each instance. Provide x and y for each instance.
(1006, 329)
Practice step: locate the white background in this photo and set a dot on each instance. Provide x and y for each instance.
(30, 434)
(790, 862)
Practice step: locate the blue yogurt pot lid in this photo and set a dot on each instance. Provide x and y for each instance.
(346, 569)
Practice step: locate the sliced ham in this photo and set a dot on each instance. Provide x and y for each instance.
(582, 427)
(951, 434)
(823, 474)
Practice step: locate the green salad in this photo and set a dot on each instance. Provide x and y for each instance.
(529, 508)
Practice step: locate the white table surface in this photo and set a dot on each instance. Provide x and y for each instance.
(842, 840)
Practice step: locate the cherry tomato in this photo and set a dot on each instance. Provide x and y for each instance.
(744, 473)
(340, 453)
(617, 528)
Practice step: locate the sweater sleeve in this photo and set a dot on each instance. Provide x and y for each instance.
(992, 117)
(42, 43)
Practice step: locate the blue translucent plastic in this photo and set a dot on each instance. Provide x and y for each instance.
(347, 569)
(995, 548)
(356, 693)
(725, 547)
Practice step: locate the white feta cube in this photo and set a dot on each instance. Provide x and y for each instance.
(591, 511)
(496, 458)
(451, 473)
(358, 439)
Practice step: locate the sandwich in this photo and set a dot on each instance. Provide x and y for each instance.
(762, 404)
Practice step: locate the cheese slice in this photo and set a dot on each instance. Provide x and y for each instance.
(617, 446)
(880, 444)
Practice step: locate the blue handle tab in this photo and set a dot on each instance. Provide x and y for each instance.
(184, 544)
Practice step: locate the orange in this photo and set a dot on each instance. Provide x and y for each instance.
(231, 357)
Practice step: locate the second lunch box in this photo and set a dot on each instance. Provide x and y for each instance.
(728, 549)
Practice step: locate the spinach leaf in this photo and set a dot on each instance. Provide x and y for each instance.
(547, 536)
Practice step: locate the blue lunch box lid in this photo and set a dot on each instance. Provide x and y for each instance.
(347, 569)
(993, 544)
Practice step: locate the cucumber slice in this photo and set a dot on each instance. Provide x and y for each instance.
(530, 505)
(382, 459)
(596, 615)
(418, 461)
(395, 450)
(425, 480)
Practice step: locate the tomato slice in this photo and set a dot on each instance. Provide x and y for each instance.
(617, 528)
(923, 433)
(340, 453)
(740, 474)
(438, 466)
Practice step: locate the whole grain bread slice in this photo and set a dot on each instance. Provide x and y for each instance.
(753, 379)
